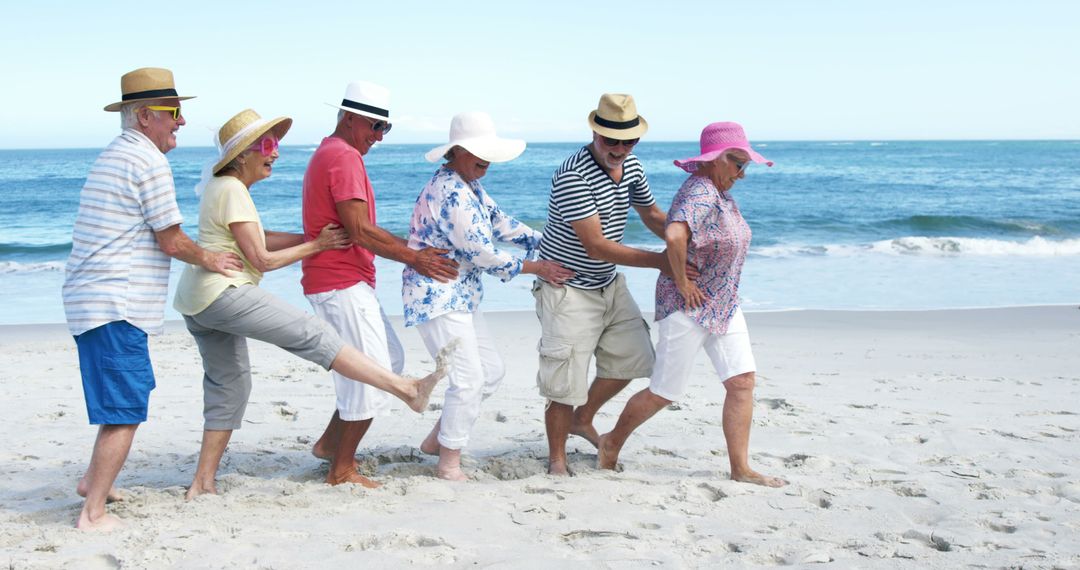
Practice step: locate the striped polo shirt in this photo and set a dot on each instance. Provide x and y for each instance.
(579, 189)
(116, 271)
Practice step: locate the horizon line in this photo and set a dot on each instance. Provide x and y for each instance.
(763, 141)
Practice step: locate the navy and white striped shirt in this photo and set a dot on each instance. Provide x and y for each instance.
(580, 189)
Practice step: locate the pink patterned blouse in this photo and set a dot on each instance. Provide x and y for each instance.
(718, 245)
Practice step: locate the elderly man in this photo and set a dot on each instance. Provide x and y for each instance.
(591, 194)
(128, 227)
(340, 284)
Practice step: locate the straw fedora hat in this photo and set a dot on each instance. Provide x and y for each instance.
(616, 117)
(144, 84)
(367, 99)
(474, 131)
(239, 132)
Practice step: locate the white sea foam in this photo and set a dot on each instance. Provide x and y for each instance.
(930, 247)
(16, 267)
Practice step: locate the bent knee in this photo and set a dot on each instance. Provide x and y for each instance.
(742, 382)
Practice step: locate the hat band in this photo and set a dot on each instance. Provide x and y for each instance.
(363, 107)
(617, 124)
(151, 94)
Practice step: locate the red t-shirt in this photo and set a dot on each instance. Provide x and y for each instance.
(336, 173)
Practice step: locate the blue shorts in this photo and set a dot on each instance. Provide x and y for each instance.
(116, 373)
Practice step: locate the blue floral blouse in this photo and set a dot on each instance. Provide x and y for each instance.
(461, 217)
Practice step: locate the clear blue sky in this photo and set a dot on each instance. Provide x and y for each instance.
(787, 69)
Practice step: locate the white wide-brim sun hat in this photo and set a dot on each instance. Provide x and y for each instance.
(474, 131)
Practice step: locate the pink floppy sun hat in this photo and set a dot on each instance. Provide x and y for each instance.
(717, 138)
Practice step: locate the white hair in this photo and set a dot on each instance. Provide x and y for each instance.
(129, 115)
(341, 115)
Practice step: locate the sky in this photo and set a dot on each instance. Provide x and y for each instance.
(785, 69)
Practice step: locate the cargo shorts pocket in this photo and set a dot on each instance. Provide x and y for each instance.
(127, 380)
(553, 376)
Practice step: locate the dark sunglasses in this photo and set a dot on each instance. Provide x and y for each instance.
(379, 126)
(617, 142)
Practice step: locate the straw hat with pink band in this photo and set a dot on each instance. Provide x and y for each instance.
(717, 138)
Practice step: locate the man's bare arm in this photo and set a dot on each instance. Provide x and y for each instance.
(175, 243)
(428, 261)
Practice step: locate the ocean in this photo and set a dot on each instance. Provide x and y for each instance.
(837, 225)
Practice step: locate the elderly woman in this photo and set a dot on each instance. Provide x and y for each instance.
(704, 228)
(221, 312)
(454, 212)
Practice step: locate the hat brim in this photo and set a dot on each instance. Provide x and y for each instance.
(490, 149)
(635, 132)
(690, 164)
(114, 107)
(361, 113)
(280, 126)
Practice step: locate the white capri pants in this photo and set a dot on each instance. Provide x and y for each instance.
(355, 314)
(680, 340)
(476, 369)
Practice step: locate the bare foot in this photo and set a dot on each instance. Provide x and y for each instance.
(755, 478)
(351, 476)
(607, 455)
(430, 445)
(449, 467)
(558, 468)
(198, 488)
(424, 386)
(104, 523)
(586, 431)
(114, 494)
(320, 451)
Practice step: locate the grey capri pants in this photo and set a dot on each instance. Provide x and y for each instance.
(221, 331)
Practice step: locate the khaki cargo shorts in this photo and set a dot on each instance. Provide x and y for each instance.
(578, 323)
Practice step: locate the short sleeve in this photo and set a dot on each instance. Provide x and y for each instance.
(349, 179)
(573, 197)
(640, 193)
(156, 195)
(236, 205)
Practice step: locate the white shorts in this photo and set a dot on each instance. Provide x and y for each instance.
(680, 340)
(355, 314)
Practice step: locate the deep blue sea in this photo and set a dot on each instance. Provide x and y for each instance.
(837, 225)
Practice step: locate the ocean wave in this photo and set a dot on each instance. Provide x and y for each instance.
(9, 267)
(952, 224)
(7, 249)
(929, 247)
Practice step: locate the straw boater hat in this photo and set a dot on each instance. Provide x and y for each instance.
(144, 84)
(616, 117)
(242, 130)
(367, 99)
(715, 139)
(475, 132)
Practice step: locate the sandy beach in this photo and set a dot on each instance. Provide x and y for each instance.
(938, 439)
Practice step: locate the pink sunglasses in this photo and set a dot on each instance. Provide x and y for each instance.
(266, 145)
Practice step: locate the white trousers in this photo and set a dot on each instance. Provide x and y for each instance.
(355, 314)
(680, 340)
(476, 369)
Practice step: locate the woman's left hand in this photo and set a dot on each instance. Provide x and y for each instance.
(692, 295)
(333, 236)
(550, 271)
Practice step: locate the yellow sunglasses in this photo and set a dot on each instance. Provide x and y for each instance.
(174, 110)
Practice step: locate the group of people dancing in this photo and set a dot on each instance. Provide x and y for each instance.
(128, 229)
